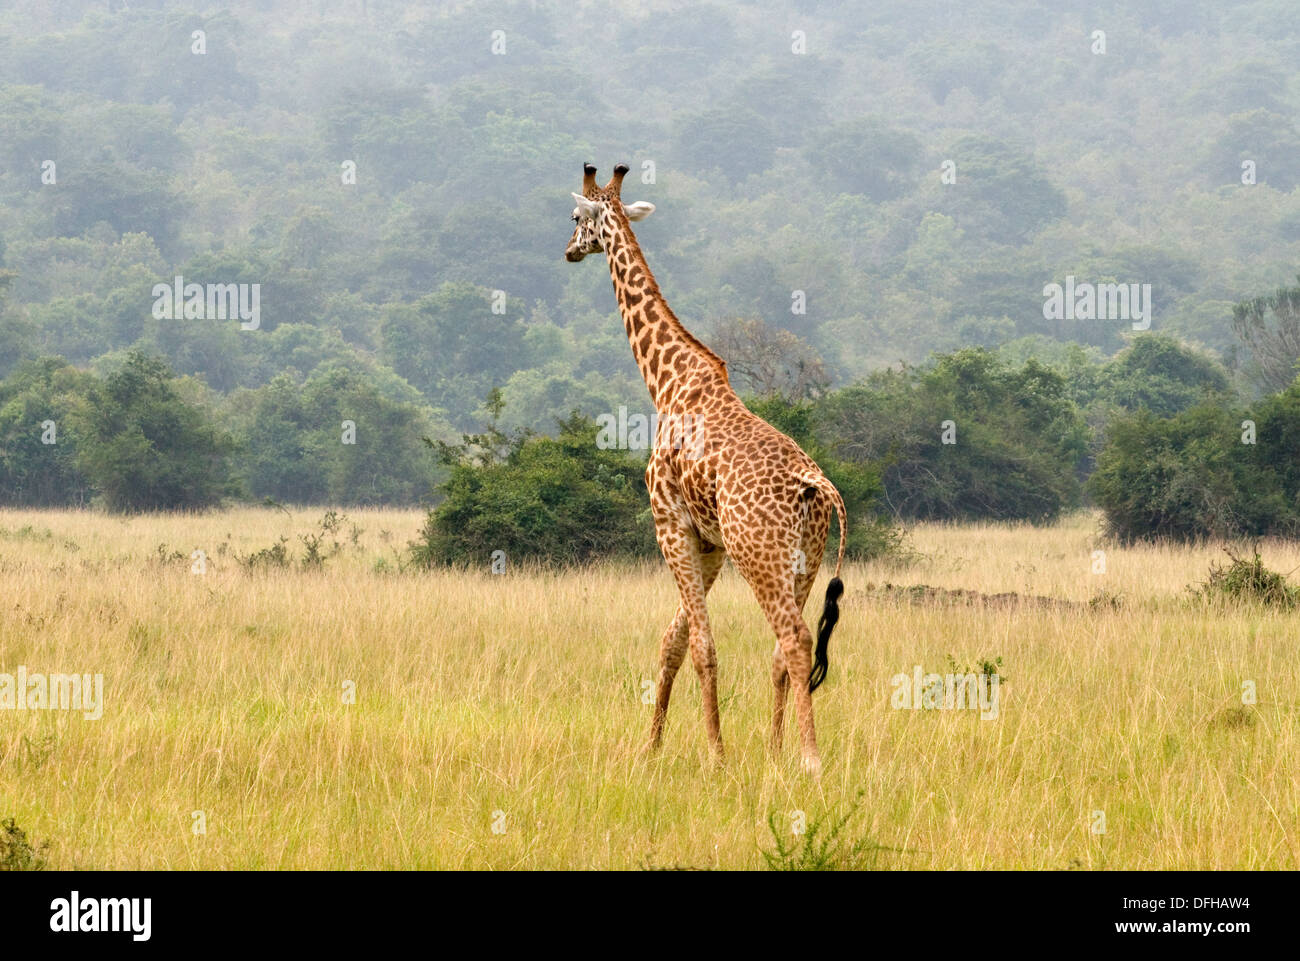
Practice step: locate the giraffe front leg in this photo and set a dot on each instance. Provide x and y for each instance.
(672, 651)
(695, 569)
(673, 645)
(706, 666)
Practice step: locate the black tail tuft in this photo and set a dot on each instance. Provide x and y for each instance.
(830, 614)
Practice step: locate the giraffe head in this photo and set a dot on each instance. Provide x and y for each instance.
(594, 212)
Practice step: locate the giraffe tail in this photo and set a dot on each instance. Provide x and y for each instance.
(831, 609)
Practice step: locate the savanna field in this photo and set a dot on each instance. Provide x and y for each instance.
(498, 719)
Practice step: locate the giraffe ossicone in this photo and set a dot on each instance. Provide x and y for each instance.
(739, 489)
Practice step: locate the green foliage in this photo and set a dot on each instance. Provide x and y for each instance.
(987, 667)
(943, 66)
(295, 447)
(866, 155)
(1276, 451)
(17, 333)
(822, 846)
(1159, 374)
(452, 345)
(1007, 197)
(1190, 476)
(772, 173)
(275, 557)
(127, 199)
(1250, 581)
(1019, 440)
(1265, 137)
(34, 473)
(144, 447)
(561, 499)
(319, 545)
(748, 136)
(16, 852)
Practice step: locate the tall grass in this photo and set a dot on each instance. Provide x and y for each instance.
(498, 720)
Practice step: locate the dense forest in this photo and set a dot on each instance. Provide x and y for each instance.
(864, 207)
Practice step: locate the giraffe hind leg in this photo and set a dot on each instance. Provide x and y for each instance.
(780, 673)
(780, 689)
(796, 644)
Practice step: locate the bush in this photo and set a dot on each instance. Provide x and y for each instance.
(1019, 439)
(1250, 581)
(144, 447)
(16, 852)
(561, 500)
(291, 435)
(1190, 476)
(34, 473)
(1161, 375)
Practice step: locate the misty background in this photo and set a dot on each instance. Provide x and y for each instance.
(796, 153)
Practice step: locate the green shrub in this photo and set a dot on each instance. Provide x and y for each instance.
(143, 446)
(560, 499)
(1190, 476)
(821, 846)
(34, 473)
(1250, 581)
(1018, 439)
(16, 852)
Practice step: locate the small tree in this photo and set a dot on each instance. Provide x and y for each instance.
(770, 362)
(559, 499)
(1270, 327)
(293, 445)
(1190, 476)
(144, 447)
(1159, 373)
(38, 444)
(965, 438)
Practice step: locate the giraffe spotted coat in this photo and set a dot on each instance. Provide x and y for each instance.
(722, 483)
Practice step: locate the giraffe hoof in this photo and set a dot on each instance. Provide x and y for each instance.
(812, 766)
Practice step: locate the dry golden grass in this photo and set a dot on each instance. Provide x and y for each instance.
(521, 694)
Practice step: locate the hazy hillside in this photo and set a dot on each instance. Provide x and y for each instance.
(381, 169)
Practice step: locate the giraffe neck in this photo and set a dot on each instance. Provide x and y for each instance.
(672, 361)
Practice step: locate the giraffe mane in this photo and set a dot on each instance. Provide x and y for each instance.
(652, 287)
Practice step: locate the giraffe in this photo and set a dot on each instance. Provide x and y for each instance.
(722, 483)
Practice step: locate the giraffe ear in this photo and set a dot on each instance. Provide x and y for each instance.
(586, 209)
(639, 210)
